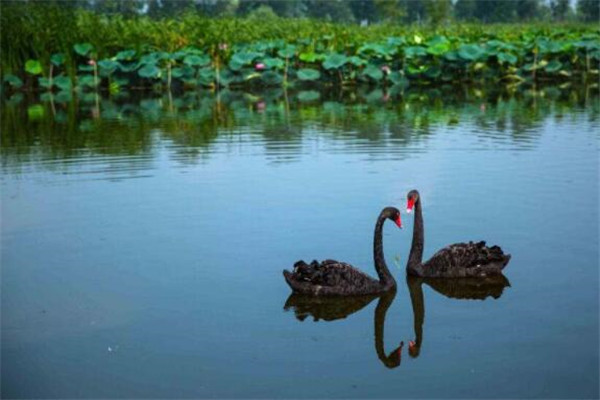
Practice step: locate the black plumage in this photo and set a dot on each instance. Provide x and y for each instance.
(459, 260)
(335, 278)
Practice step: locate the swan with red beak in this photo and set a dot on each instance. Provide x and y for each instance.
(458, 260)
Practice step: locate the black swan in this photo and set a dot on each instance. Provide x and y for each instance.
(336, 307)
(461, 289)
(459, 260)
(334, 278)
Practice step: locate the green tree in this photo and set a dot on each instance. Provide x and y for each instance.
(559, 9)
(390, 10)
(364, 10)
(588, 10)
(465, 9)
(415, 10)
(330, 10)
(495, 11)
(527, 9)
(438, 11)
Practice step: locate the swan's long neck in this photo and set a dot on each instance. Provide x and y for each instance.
(416, 250)
(384, 303)
(418, 306)
(385, 277)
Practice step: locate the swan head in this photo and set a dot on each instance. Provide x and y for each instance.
(413, 349)
(394, 214)
(411, 198)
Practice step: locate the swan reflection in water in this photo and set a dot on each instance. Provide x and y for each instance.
(340, 307)
(460, 289)
(333, 308)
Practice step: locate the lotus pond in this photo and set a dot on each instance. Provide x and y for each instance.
(53, 50)
(143, 238)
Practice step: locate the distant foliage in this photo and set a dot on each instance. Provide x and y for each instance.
(57, 48)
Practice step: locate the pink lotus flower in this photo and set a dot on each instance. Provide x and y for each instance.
(92, 62)
(259, 67)
(386, 70)
(222, 46)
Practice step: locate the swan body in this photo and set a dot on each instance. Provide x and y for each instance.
(459, 260)
(335, 278)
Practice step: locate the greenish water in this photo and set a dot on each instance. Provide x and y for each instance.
(143, 240)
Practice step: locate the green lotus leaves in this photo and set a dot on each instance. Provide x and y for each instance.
(345, 57)
(185, 72)
(471, 52)
(507, 58)
(149, 71)
(87, 81)
(287, 52)
(433, 72)
(33, 67)
(357, 61)
(13, 81)
(311, 57)
(57, 59)
(334, 61)
(553, 66)
(374, 72)
(85, 68)
(125, 55)
(275, 63)
(63, 82)
(271, 78)
(308, 74)
(308, 95)
(206, 76)
(195, 60)
(107, 67)
(45, 82)
(36, 112)
(128, 67)
(244, 58)
(83, 49)
(415, 51)
(438, 45)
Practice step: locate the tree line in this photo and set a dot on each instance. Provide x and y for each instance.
(356, 11)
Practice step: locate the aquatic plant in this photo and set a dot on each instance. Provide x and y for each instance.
(100, 52)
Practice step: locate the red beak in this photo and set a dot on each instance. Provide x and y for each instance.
(398, 222)
(410, 204)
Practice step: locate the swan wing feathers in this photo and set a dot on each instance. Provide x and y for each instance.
(329, 273)
(467, 259)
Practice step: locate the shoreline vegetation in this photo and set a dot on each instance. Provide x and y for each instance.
(59, 49)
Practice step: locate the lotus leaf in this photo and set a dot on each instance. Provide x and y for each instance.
(271, 78)
(334, 61)
(553, 66)
(287, 52)
(83, 49)
(471, 52)
(276, 63)
(308, 74)
(308, 95)
(126, 55)
(13, 81)
(63, 82)
(149, 71)
(195, 60)
(374, 72)
(34, 67)
(57, 59)
(415, 51)
(507, 57)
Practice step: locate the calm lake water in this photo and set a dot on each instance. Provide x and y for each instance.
(143, 240)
